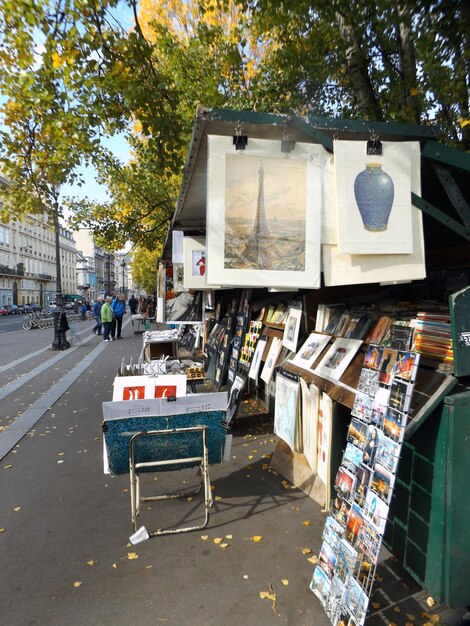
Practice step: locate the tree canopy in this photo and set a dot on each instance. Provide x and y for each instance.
(71, 74)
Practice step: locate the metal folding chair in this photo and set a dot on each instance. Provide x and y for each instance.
(74, 337)
(188, 461)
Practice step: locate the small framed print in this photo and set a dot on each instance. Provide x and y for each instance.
(194, 263)
(132, 388)
(310, 350)
(292, 329)
(337, 358)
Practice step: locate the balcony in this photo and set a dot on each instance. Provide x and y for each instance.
(46, 277)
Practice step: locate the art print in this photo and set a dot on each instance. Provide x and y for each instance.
(260, 207)
(333, 531)
(394, 425)
(310, 412)
(354, 524)
(368, 382)
(380, 406)
(345, 561)
(374, 435)
(357, 433)
(132, 388)
(337, 358)
(285, 410)
(235, 397)
(327, 559)
(170, 385)
(406, 364)
(185, 307)
(357, 601)
(256, 362)
(292, 329)
(388, 454)
(363, 476)
(320, 584)
(325, 425)
(352, 457)
(373, 357)
(362, 407)
(341, 509)
(271, 360)
(382, 482)
(387, 363)
(376, 511)
(344, 483)
(400, 395)
(373, 198)
(310, 350)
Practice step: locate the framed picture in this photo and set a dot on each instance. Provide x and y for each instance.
(195, 263)
(263, 208)
(286, 407)
(133, 388)
(292, 329)
(338, 357)
(310, 350)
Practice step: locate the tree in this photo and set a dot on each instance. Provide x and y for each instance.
(144, 269)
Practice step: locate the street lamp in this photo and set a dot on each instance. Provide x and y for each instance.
(123, 265)
(60, 327)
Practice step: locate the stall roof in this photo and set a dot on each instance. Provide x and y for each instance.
(190, 212)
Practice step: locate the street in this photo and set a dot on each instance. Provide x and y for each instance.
(65, 525)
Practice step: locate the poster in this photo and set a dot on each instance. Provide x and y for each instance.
(286, 407)
(195, 263)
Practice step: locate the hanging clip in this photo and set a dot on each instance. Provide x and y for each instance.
(240, 139)
(374, 146)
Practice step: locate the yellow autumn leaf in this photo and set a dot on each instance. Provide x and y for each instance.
(223, 545)
(190, 498)
(307, 523)
(257, 538)
(430, 601)
(17, 508)
(266, 595)
(132, 555)
(414, 91)
(376, 605)
(114, 565)
(7, 466)
(228, 536)
(148, 566)
(411, 617)
(90, 562)
(77, 583)
(284, 581)
(463, 122)
(306, 551)
(204, 537)
(250, 456)
(2, 530)
(218, 540)
(397, 609)
(218, 498)
(56, 60)
(435, 618)
(313, 559)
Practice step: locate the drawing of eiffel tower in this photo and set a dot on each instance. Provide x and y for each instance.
(260, 251)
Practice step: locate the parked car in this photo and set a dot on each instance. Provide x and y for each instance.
(12, 309)
(21, 308)
(3, 311)
(34, 306)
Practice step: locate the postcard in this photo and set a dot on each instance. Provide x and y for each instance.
(345, 561)
(337, 358)
(310, 350)
(406, 364)
(327, 559)
(344, 483)
(368, 381)
(369, 542)
(320, 584)
(341, 509)
(357, 601)
(352, 457)
(357, 433)
(373, 357)
(388, 454)
(363, 476)
(333, 604)
(400, 337)
(379, 406)
(394, 425)
(387, 364)
(400, 395)
(332, 531)
(372, 443)
(344, 619)
(362, 407)
(354, 524)
(376, 511)
(382, 482)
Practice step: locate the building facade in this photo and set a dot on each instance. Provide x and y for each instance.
(96, 273)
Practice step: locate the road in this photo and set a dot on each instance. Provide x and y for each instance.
(11, 323)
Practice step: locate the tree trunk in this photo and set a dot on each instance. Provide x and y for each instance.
(407, 57)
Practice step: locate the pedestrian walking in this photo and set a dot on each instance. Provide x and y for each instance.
(96, 310)
(119, 310)
(106, 318)
(133, 302)
(83, 310)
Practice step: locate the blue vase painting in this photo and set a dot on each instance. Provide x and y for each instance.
(374, 192)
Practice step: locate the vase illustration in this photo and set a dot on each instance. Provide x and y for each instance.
(374, 191)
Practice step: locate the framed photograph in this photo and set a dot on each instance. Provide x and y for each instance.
(271, 360)
(170, 385)
(235, 397)
(310, 350)
(185, 307)
(262, 210)
(337, 358)
(292, 329)
(285, 410)
(133, 388)
(195, 276)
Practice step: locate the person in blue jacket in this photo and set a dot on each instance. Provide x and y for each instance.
(96, 310)
(119, 310)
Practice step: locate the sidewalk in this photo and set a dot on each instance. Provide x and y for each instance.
(66, 558)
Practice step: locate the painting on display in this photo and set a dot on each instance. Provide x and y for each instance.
(286, 407)
(310, 350)
(337, 358)
(262, 207)
(373, 198)
(292, 329)
(194, 263)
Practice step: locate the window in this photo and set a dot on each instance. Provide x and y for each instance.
(4, 235)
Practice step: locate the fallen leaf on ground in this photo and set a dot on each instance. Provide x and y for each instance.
(148, 566)
(114, 565)
(266, 595)
(2, 530)
(411, 617)
(250, 456)
(7, 466)
(245, 576)
(204, 537)
(228, 536)
(77, 583)
(430, 601)
(17, 508)
(90, 562)
(397, 609)
(223, 545)
(313, 559)
(376, 605)
(190, 498)
(306, 551)
(257, 538)
(284, 581)
(218, 540)
(378, 578)
(307, 522)
(132, 555)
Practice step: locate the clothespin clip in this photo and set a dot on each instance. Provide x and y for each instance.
(374, 146)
